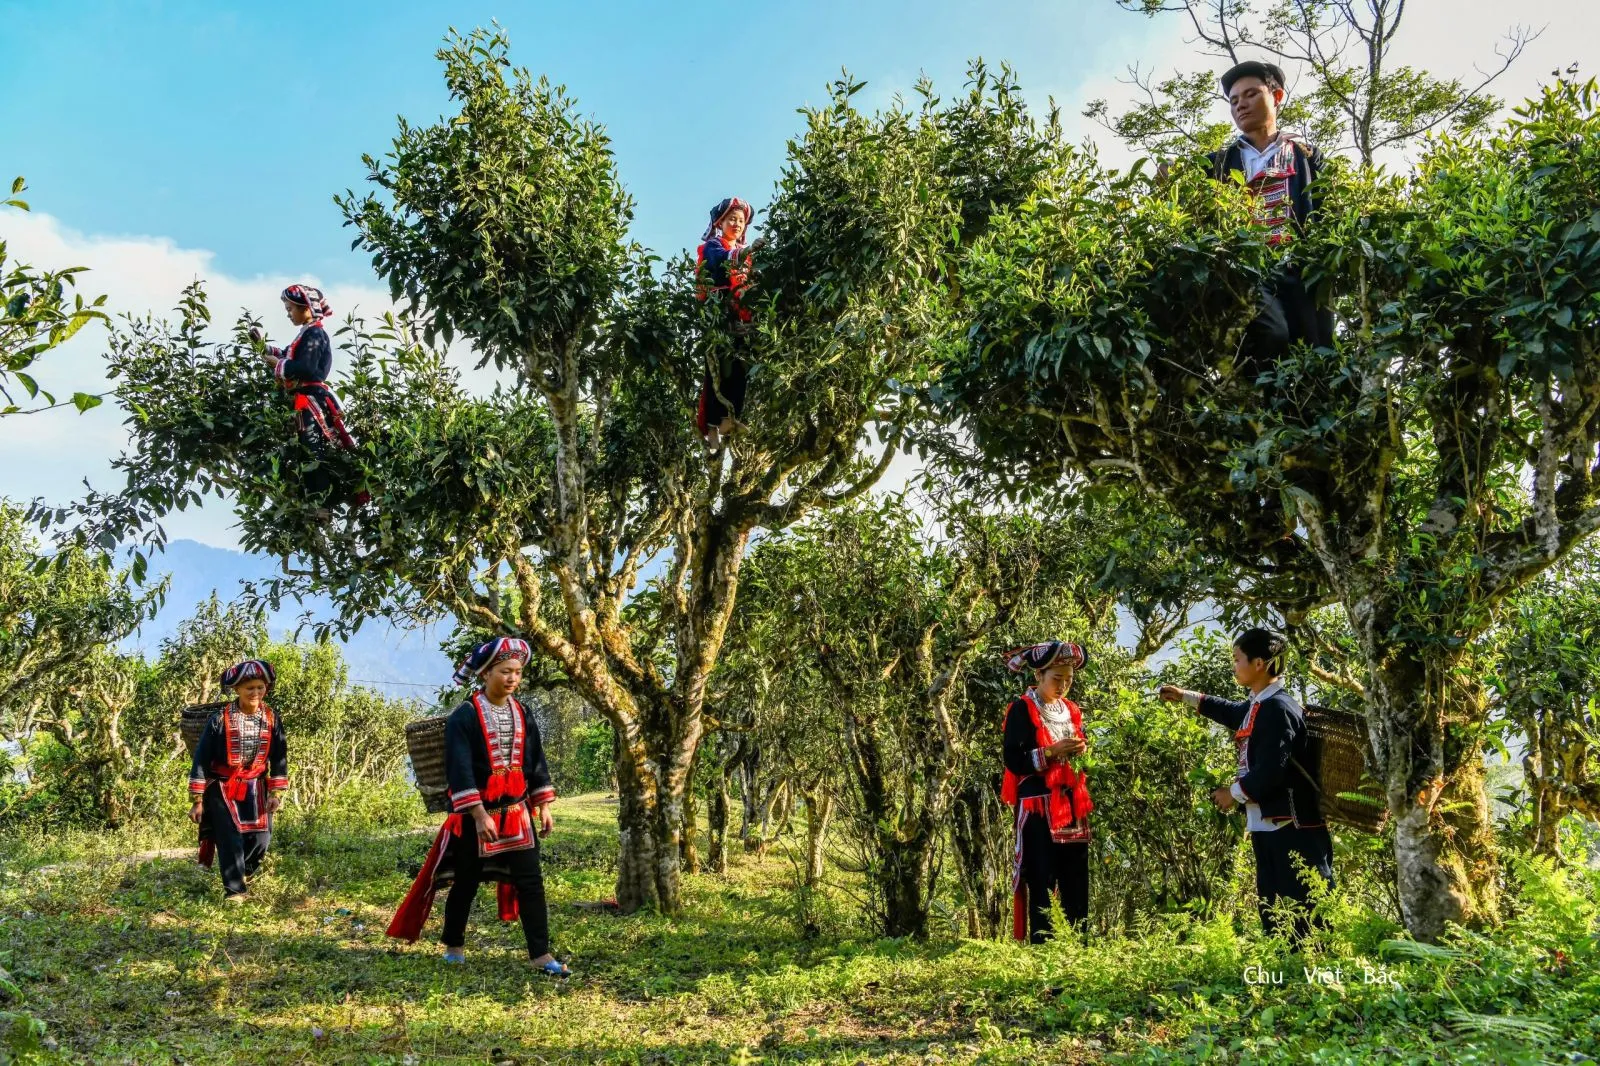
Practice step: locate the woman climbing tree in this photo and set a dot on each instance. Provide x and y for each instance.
(303, 368)
(723, 264)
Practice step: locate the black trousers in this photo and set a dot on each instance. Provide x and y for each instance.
(239, 854)
(526, 876)
(1048, 867)
(1288, 313)
(1279, 878)
(735, 374)
(318, 476)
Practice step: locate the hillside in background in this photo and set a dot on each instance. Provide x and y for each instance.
(381, 655)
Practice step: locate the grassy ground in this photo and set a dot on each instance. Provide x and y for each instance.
(112, 960)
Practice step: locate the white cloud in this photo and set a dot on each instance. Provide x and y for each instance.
(1161, 51)
(50, 454)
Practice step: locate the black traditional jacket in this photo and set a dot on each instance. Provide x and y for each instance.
(467, 761)
(1274, 756)
(1307, 164)
(308, 359)
(219, 767)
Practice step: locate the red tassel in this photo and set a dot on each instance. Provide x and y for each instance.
(506, 897)
(496, 787)
(515, 783)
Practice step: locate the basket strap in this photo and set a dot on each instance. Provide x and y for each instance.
(1296, 764)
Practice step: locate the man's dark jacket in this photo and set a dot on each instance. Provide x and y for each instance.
(1278, 740)
(1307, 164)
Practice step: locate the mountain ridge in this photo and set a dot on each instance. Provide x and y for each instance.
(401, 662)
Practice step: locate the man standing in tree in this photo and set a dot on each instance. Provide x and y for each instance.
(1279, 171)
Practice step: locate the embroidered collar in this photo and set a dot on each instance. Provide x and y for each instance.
(1267, 693)
(1249, 724)
(1054, 715)
(505, 774)
(233, 728)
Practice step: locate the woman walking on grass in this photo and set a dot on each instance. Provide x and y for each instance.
(1043, 731)
(500, 796)
(237, 777)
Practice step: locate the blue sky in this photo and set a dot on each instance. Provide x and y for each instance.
(169, 141)
(229, 127)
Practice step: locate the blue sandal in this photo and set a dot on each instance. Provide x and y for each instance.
(554, 968)
(455, 956)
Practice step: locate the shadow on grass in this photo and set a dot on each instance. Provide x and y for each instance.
(142, 960)
(188, 987)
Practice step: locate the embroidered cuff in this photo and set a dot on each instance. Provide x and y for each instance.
(542, 796)
(1040, 759)
(196, 787)
(460, 801)
(277, 371)
(277, 783)
(1237, 792)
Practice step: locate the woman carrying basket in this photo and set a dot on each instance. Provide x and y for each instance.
(1043, 733)
(500, 796)
(1283, 810)
(237, 777)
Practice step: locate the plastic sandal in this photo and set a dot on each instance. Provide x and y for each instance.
(554, 968)
(455, 956)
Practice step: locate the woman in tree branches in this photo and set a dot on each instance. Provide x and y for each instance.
(723, 263)
(1043, 731)
(237, 777)
(303, 368)
(500, 794)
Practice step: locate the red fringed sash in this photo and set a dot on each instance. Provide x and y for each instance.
(236, 786)
(240, 780)
(409, 920)
(1059, 778)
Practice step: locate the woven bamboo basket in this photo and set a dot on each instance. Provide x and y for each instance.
(193, 722)
(1339, 763)
(425, 743)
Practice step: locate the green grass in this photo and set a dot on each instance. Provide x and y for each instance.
(123, 961)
